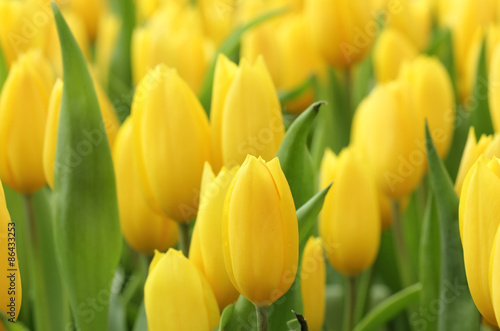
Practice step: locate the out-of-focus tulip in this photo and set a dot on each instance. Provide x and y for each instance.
(171, 29)
(429, 94)
(349, 250)
(90, 11)
(313, 283)
(206, 244)
(392, 49)
(11, 37)
(246, 113)
(479, 212)
(109, 29)
(385, 130)
(177, 296)
(218, 18)
(111, 125)
(341, 30)
(10, 281)
(24, 105)
(385, 207)
(260, 232)
(144, 230)
(172, 141)
(494, 88)
(488, 146)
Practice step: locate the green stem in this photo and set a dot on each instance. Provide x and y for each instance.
(364, 284)
(401, 251)
(184, 238)
(350, 304)
(261, 318)
(42, 316)
(348, 91)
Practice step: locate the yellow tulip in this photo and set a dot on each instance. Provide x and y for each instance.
(494, 88)
(172, 141)
(313, 284)
(495, 276)
(206, 244)
(246, 113)
(429, 92)
(171, 29)
(260, 232)
(488, 146)
(218, 18)
(23, 113)
(385, 131)
(90, 11)
(177, 296)
(144, 230)
(479, 224)
(109, 29)
(341, 30)
(11, 34)
(111, 125)
(10, 280)
(348, 249)
(392, 49)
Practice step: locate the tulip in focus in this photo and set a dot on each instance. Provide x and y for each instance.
(144, 230)
(206, 251)
(24, 102)
(111, 125)
(177, 296)
(313, 284)
(10, 281)
(246, 113)
(341, 30)
(479, 224)
(391, 50)
(350, 205)
(172, 142)
(260, 232)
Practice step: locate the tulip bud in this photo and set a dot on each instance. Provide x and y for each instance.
(382, 119)
(479, 226)
(392, 49)
(11, 36)
(206, 244)
(494, 88)
(313, 284)
(111, 125)
(172, 29)
(218, 18)
(172, 141)
(23, 114)
(144, 230)
(177, 296)
(348, 249)
(10, 279)
(260, 232)
(341, 30)
(488, 146)
(246, 113)
(109, 29)
(430, 96)
(90, 11)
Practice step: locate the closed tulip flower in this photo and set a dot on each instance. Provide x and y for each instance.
(386, 133)
(10, 301)
(177, 296)
(313, 284)
(206, 245)
(246, 113)
(144, 230)
(260, 232)
(494, 88)
(392, 49)
(479, 212)
(24, 105)
(109, 29)
(429, 92)
(11, 40)
(488, 146)
(172, 141)
(342, 31)
(347, 248)
(90, 11)
(111, 125)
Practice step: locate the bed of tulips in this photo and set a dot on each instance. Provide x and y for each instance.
(249, 165)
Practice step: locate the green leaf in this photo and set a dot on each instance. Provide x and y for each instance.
(87, 229)
(389, 308)
(297, 91)
(3, 69)
(364, 81)
(295, 159)
(481, 119)
(459, 313)
(226, 316)
(441, 46)
(430, 265)
(243, 316)
(141, 322)
(230, 45)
